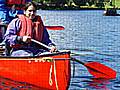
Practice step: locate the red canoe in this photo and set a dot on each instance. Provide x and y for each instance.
(47, 72)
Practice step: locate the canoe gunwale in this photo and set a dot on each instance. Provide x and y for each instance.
(44, 55)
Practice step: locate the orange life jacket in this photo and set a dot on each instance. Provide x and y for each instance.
(33, 29)
(29, 28)
(19, 4)
(16, 2)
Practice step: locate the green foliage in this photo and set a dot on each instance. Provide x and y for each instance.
(89, 3)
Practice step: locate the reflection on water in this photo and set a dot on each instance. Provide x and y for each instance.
(97, 84)
(8, 84)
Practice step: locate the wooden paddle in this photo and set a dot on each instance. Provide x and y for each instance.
(55, 27)
(97, 69)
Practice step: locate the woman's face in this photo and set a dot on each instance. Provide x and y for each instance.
(30, 12)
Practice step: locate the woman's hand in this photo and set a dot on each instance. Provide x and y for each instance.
(53, 49)
(26, 39)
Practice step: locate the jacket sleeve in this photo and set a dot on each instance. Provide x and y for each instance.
(10, 36)
(46, 38)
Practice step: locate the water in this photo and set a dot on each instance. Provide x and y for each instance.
(91, 37)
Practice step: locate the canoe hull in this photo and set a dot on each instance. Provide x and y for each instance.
(46, 72)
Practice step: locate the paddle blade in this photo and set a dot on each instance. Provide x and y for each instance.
(99, 70)
(55, 27)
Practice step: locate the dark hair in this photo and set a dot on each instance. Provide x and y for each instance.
(29, 4)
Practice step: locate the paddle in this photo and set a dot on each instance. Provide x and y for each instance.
(97, 69)
(48, 27)
(55, 27)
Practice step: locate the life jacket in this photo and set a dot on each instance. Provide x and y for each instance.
(28, 28)
(18, 2)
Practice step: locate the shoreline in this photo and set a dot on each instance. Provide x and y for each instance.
(69, 8)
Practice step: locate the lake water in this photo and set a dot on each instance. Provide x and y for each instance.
(91, 37)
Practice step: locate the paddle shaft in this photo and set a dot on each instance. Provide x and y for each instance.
(98, 70)
(41, 44)
(73, 59)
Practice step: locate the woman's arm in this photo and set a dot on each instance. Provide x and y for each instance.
(11, 32)
(46, 38)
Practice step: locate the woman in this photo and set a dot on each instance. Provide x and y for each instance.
(24, 28)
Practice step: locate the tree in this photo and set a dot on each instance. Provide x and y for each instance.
(80, 2)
